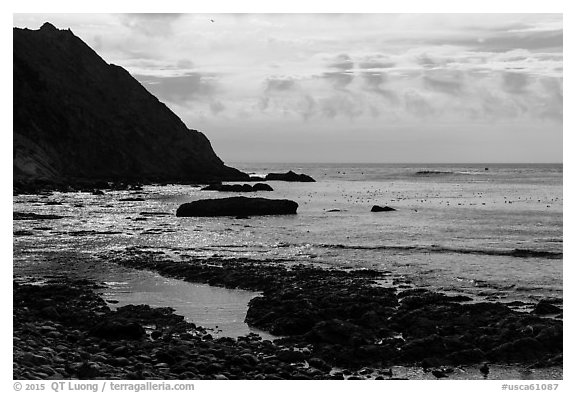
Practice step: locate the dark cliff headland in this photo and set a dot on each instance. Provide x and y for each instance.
(78, 119)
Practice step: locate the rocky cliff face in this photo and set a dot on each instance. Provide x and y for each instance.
(78, 118)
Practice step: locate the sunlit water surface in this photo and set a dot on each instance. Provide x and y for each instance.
(454, 230)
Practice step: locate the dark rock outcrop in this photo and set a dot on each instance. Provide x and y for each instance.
(78, 118)
(236, 206)
(118, 329)
(262, 187)
(377, 208)
(289, 176)
(237, 187)
(342, 318)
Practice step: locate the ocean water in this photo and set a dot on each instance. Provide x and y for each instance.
(490, 231)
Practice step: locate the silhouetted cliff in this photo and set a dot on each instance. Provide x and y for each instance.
(78, 118)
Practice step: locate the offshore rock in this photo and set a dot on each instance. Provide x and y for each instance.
(377, 208)
(237, 206)
(238, 187)
(290, 176)
(262, 187)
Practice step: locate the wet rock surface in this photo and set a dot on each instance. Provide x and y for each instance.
(345, 319)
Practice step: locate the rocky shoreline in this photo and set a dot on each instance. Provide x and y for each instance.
(65, 330)
(332, 323)
(347, 319)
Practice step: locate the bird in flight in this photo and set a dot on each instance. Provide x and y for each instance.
(212, 20)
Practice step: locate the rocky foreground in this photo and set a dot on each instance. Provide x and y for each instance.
(350, 321)
(65, 330)
(334, 324)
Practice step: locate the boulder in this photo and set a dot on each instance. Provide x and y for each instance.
(289, 176)
(118, 329)
(336, 331)
(521, 350)
(377, 208)
(430, 346)
(290, 356)
(319, 364)
(213, 187)
(545, 307)
(467, 356)
(551, 337)
(236, 206)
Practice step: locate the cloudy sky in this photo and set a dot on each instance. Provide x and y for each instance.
(347, 87)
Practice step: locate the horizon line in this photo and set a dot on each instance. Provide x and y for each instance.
(393, 163)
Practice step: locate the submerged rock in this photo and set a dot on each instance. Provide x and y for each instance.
(236, 206)
(289, 176)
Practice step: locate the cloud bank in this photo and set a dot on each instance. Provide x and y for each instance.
(339, 72)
